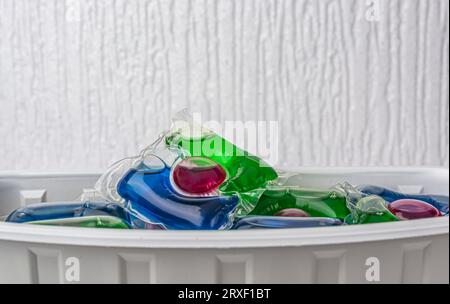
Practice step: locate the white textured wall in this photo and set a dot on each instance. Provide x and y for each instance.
(85, 82)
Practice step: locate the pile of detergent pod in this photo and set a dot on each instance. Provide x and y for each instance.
(193, 179)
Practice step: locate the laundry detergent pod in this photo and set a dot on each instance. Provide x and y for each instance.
(440, 202)
(278, 222)
(292, 212)
(370, 209)
(314, 202)
(410, 209)
(101, 221)
(57, 211)
(245, 172)
(151, 195)
(198, 175)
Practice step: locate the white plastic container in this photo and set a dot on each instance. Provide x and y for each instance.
(407, 252)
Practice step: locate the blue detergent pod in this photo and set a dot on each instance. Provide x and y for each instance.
(151, 196)
(54, 211)
(277, 222)
(438, 201)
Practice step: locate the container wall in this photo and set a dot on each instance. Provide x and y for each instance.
(415, 260)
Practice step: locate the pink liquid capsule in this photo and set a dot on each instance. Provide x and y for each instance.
(198, 175)
(410, 209)
(292, 212)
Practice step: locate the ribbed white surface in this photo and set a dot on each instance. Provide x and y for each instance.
(83, 83)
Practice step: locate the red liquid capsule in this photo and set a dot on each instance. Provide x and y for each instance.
(410, 209)
(198, 175)
(292, 212)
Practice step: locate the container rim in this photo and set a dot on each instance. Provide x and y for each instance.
(223, 239)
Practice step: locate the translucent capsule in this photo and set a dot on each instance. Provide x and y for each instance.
(440, 202)
(198, 175)
(151, 197)
(314, 202)
(370, 209)
(409, 209)
(63, 210)
(278, 222)
(292, 212)
(110, 222)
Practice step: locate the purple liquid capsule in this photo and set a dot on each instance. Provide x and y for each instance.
(410, 209)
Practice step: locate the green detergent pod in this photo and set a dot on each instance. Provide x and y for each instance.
(245, 172)
(317, 203)
(86, 222)
(370, 209)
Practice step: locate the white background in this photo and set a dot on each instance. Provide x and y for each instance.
(83, 83)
